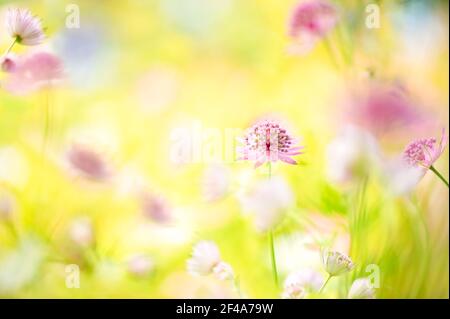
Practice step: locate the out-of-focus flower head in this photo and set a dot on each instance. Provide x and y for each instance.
(33, 72)
(14, 167)
(267, 201)
(7, 206)
(155, 207)
(299, 283)
(9, 63)
(383, 108)
(206, 260)
(399, 177)
(336, 263)
(216, 182)
(361, 289)
(140, 265)
(268, 141)
(205, 256)
(81, 232)
(23, 26)
(310, 21)
(223, 271)
(88, 163)
(424, 152)
(351, 154)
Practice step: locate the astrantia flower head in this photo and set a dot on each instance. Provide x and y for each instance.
(223, 271)
(205, 256)
(156, 208)
(268, 141)
(24, 27)
(310, 21)
(424, 152)
(140, 265)
(336, 263)
(361, 289)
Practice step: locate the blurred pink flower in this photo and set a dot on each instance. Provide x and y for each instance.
(382, 108)
(310, 21)
(361, 289)
(223, 271)
(9, 63)
(33, 72)
(424, 152)
(299, 283)
(267, 141)
(88, 163)
(81, 231)
(215, 182)
(7, 207)
(140, 265)
(24, 27)
(156, 208)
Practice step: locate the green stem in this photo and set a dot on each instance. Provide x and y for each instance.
(10, 47)
(325, 283)
(273, 258)
(434, 170)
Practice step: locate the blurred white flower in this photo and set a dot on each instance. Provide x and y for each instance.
(223, 271)
(299, 283)
(216, 182)
(336, 263)
(361, 289)
(24, 27)
(205, 256)
(81, 232)
(268, 200)
(399, 177)
(140, 265)
(353, 153)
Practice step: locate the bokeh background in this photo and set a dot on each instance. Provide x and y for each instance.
(136, 70)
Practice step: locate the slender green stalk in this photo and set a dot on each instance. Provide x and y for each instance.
(325, 283)
(273, 258)
(10, 47)
(271, 241)
(435, 171)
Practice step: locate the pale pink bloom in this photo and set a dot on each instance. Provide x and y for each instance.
(7, 207)
(140, 265)
(267, 200)
(267, 141)
(155, 207)
(383, 108)
(33, 72)
(9, 63)
(81, 232)
(26, 28)
(424, 152)
(361, 289)
(88, 163)
(299, 283)
(310, 21)
(399, 177)
(216, 182)
(223, 271)
(205, 256)
(352, 154)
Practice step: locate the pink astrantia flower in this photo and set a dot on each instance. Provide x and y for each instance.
(310, 21)
(424, 152)
(24, 27)
(33, 72)
(267, 141)
(156, 208)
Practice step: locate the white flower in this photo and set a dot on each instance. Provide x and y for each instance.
(299, 283)
(223, 271)
(81, 232)
(268, 200)
(401, 178)
(24, 27)
(336, 263)
(361, 289)
(215, 183)
(140, 265)
(205, 256)
(351, 154)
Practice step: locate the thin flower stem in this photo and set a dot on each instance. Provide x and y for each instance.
(325, 283)
(237, 286)
(10, 47)
(273, 258)
(435, 171)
